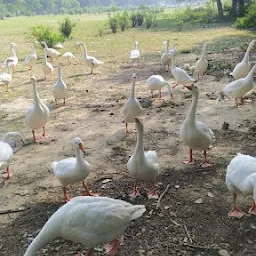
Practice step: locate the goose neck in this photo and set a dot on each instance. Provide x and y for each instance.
(84, 49)
(252, 71)
(167, 46)
(139, 145)
(13, 52)
(192, 111)
(35, 92)
(133, 90)
(59, 73)
(79, 156)
(246, 56)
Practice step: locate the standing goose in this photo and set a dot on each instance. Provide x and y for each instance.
(60, 88)
(38, 114)
(52, 53)
(47, 67)
(165, 60)
(179, 74)
(13, 60)
(89, 61)
(143, 165)
(73, 169)
(32, 57)
(90, 221)
(242, 69)
(174, 50)
(241, 179)
(68, 56)
(135, 54)
(6, 152)
(201, 64)
(238, 88)
(6, 78)
(156, 83)
(132, 107)
(196, 135)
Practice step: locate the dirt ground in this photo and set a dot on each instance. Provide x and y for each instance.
(182, 225)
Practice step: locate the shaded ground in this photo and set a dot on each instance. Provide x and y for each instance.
(93, 113)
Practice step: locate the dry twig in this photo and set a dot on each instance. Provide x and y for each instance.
(12, 211)
(187, 233)
(161, 196)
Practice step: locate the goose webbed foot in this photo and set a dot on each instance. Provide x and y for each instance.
(135, 193)
(153, 195)
(67, 198)
(190, 161)
(7, 174)
(236, 212)
(252, 210)
(112, 249)
(88, 193)
(206, 163)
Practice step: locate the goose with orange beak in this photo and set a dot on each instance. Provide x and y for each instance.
(195, 134)
(72, 170)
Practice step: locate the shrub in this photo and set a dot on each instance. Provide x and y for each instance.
(42, 33)
(140, 18)
(113, 22)
(148, 19)
(100, 29)
(133, 18)
(66, 27)
(123, 21)
(249, 20)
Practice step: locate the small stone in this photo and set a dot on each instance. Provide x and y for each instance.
(106, 181)
(223, 252)
(210, 194)
(199, 201)
(177, 186)
(111, 113)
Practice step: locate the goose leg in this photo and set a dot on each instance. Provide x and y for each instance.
(236, 102)
(152, 96)
(7, 174)
(160, 95)
(252, 210)
(191, 160)
(135, 192)
(67, 198)
(112, 249)
(56, 102)
(235, 212)
(34, 137)
(153, 194)
(205, 163)
(126, 128)
(64, 101)
(44, 133)
(88, 193)
(175, 85)
(242, 100)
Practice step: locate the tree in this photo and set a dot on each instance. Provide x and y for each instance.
(219, 8)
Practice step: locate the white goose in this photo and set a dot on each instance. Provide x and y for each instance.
(179, 74)
(58, 46)
(165, 60)
(174, 50)
(238, 88)
(132, 107)
(68, 56)
(38, 114)
(6, 152)
(242, 69)
(47, 67)
(6, 78)
(135, 54)
(89, 61)
(60, 88)
(90, 221)
(72, 170)
(201, 64)
(156, 83)
(196, 135)
(32, 57)
(13, 60)
(143, 165)
(241, 179)
(52, 53)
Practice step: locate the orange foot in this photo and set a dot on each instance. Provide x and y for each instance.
(206, 164)
(236, 212)
(112, 249)
(7, 175)
(252, 210)
(189, 162)
(91, 194)
(152, 195)
(135, 193)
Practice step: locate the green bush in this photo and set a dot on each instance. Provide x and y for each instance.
(149, 19)
(113, 23)
(133, 18)
(66, 27)
(42, 33)
(123, 20)
(249, 20)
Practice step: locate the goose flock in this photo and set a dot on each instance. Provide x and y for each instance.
(92, 219)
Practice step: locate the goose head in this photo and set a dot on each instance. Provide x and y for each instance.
(44, 44)
(14, 136)
(13, 45)
(138, 123)
(78, 144)
(193, 88)
(33, 79)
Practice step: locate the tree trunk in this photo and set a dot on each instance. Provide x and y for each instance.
(220, 9)
(234, 8)
(240, 8)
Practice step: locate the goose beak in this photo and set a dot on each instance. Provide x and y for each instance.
(81, 147)
(136, 120)
(189, 87)
(22, 141)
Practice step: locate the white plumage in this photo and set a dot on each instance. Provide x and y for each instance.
(47, 67)
(143, 165)
(238, 88)
(60, 88)
(90, 221)
(6, 78)
(165, 60)
(38, 115)
(241, 179)
(135, 54)
(6, 152)
(156, 83)
(196, 135)
(132, 107)
(52, 53)
(201, 64)
(68, 56)
(91, 62)
(31, 58)
(242, 69)
(73, 169)
(13, 60)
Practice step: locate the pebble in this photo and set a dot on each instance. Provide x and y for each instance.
(223, 252)
(199, 201)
